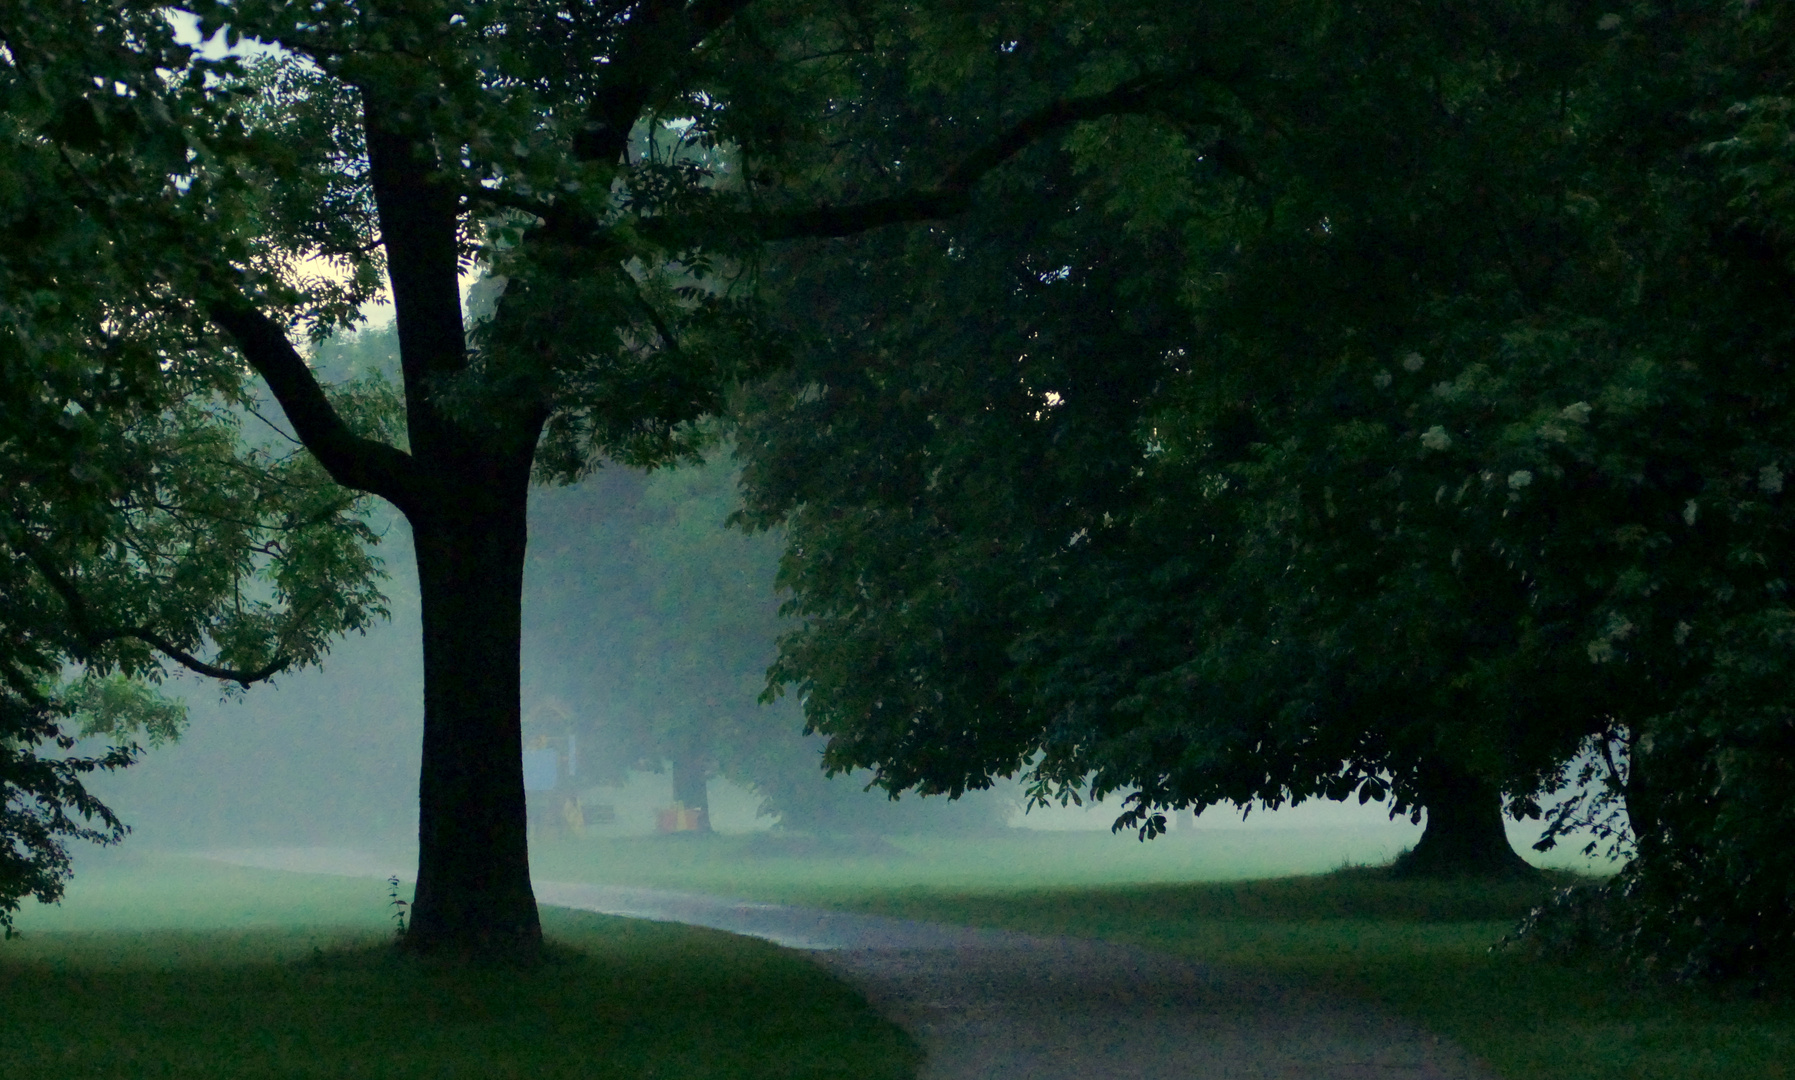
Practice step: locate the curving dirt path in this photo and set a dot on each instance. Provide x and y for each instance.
(995, 1005)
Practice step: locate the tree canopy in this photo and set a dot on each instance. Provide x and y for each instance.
(1287, 400)
(1439, 438)
(141, 532)
(620, 167)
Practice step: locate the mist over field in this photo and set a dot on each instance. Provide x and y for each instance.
(647, 629)
(648, 626)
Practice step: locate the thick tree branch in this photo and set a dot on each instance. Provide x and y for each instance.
(351, 460)
(828, 221)
(950, 196)
(655, 44)
(954, 192)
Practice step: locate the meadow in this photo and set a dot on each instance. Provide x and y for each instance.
(163, 966)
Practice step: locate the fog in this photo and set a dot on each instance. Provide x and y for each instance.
(330, 755)
(647, 627)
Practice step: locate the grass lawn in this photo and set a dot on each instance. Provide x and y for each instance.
(167, 967)
(1420, 949)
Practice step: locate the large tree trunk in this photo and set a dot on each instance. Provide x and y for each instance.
(473, 890)
(1465, 836)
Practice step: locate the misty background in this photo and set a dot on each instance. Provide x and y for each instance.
(648, 625)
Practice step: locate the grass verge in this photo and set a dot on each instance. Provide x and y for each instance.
(289, 993)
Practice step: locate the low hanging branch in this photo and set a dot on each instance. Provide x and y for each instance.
(193, 663)
(93, 637)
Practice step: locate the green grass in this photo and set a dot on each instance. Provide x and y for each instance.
(174, 968)
(1421, 949)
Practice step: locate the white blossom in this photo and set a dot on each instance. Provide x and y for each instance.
(1689, 512)
(1435, 438)
(1413, 361)
(1770, 479)
(1519, 479)
(1576, 414)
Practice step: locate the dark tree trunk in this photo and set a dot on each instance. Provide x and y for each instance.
(1642, 798)
(691, 786)
(1465, 836)
(473, 891)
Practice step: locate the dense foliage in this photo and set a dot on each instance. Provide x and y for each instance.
(140, 531)
(1414, 426)
(1291, 400)
(617, 167)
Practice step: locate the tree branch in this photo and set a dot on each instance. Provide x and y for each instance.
(351, 460)
(706, 16)
(954, 192)
(950, 196)
(656, 41)
(94, 638)
(193, 663)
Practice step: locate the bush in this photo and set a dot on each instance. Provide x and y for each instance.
(1709, 895)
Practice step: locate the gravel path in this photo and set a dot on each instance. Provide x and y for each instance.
(995, 1005)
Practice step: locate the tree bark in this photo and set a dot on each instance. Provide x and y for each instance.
(1465, 836)
(473, 890)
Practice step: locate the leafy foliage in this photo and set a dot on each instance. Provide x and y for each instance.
(1320, 400)
(141, 529)
(1463, 449)
(41, 798)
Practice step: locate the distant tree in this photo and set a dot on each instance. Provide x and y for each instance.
(666, 628)
(651, 623)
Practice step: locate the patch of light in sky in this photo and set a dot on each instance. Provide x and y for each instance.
(186, 25)
(378, 313)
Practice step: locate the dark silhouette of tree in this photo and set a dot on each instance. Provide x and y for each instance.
(619, 165)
